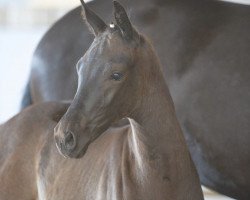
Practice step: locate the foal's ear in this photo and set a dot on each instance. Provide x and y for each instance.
(123, 22)
(96, 24)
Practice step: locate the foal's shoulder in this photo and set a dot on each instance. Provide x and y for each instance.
(49, 110)
(35, 116)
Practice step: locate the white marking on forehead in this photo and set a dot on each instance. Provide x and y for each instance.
(111, 25)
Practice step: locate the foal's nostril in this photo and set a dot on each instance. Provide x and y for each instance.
(69, 141)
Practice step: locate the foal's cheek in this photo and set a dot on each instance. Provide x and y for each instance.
(109, 94)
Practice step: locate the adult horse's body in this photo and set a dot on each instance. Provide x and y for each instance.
(204, 48)
(145, 157)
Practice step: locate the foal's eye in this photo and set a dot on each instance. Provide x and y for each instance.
(116, 76)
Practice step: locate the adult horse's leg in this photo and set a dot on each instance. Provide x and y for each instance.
(26, 99)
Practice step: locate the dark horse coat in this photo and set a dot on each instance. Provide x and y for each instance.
(204, 48)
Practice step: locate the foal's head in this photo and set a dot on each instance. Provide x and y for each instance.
(113, 76)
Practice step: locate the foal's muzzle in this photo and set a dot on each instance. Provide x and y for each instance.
(65, 141)
(69, 142)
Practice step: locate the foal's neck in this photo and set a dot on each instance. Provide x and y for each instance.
(157, 116)
(156, 113)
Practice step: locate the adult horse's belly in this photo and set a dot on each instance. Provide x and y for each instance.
(212, 101)
(204, 49)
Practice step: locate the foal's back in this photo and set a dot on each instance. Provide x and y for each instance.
(20, 139)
